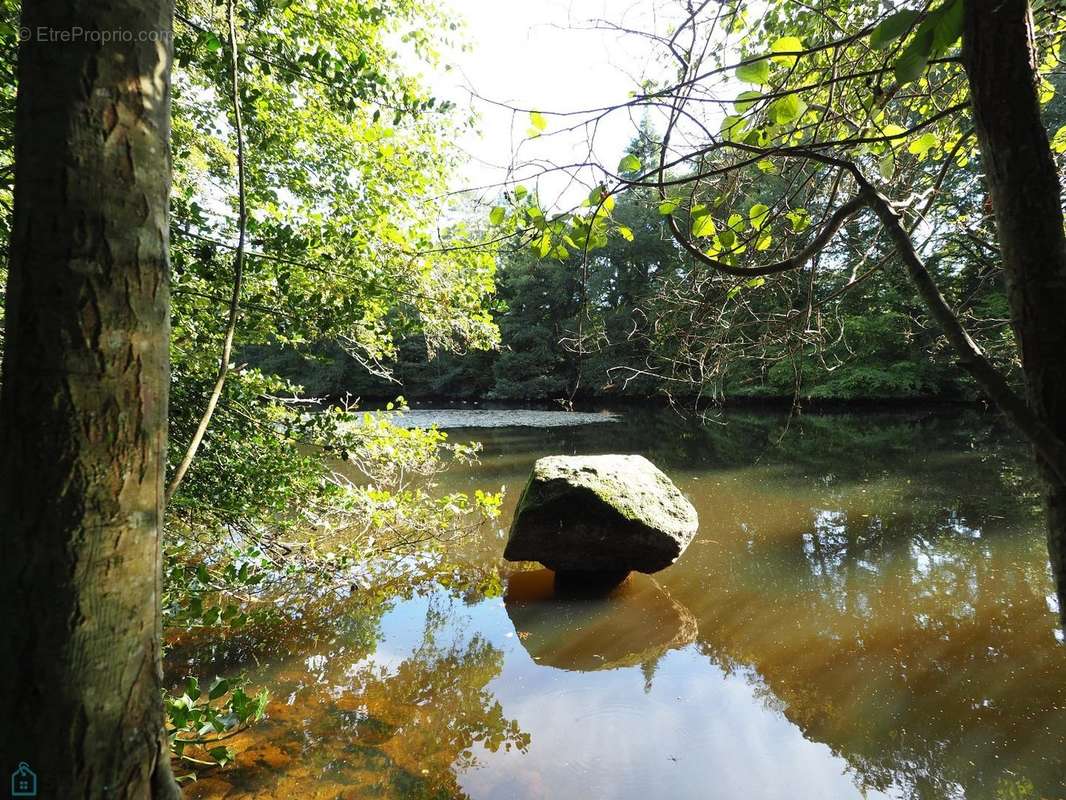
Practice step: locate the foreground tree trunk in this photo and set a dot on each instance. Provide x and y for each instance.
(1000, 58)
(83, 410)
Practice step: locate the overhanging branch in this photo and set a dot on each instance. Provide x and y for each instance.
(825, 235)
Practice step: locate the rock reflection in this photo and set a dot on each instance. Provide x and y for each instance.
(633, 623)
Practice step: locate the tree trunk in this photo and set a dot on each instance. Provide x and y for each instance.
(1000, 59)
(83, 411)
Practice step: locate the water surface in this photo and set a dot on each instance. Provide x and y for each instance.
(867, 611)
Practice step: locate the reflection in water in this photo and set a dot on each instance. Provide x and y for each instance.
(864, 612)
(348, 723)
(632, 624)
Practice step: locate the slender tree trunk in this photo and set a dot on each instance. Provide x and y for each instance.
(1000, 58)
(83, 411)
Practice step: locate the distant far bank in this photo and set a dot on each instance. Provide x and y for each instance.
(607, 406)
(327, 372)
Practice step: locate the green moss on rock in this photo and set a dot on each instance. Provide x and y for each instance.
(600, 513)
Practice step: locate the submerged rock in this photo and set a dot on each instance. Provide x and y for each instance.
(605, 514)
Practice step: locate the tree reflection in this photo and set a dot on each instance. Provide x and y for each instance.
(347, 724)
(918, 647)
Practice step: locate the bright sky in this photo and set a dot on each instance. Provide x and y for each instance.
(542, 54)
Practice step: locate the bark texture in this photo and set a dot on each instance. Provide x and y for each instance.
(83, 409)
(1000, 59)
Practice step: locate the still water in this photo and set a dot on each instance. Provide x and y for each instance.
(866, 612)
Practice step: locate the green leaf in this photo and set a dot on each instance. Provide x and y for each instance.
(787, 44)
(703, 226)
(1046, 90)
(892, 28)
(800, 219)
(764, 240)
(667, 207)
(496, 216)
(629, 163)
(212, 41)
(757, 215)
(745, 100)
(887, 165)
(755, 72)
(786, 109)
(220, 687)
(626, 233)
(894, 134)
(537, 121)
(948, 27)
(223, 755)
(760, 137)
(1058, 142)
(733, 127)
(914, 59)
(923, 144)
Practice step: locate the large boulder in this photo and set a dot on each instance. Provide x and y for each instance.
(608, 514)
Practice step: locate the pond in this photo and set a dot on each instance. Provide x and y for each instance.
(867, 611)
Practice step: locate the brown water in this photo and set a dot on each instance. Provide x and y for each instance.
(867, 612)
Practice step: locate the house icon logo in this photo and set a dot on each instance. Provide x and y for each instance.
(23, 781)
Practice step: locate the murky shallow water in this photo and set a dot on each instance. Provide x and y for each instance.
(866, 612)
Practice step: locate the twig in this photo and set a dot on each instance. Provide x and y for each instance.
(238, 268)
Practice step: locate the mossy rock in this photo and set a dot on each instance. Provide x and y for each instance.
(610, 513)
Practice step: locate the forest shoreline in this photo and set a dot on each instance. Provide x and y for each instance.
(682, 404)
